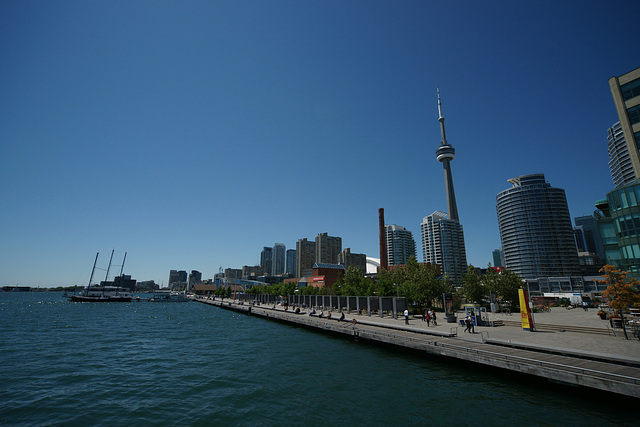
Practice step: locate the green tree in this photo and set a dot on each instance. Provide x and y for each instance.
(622, 291)
(504, 285)
(353, 283)
(419, 283)
(472, 287)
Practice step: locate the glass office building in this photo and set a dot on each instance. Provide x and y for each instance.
(622, 224)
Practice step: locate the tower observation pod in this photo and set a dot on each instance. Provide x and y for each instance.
(445, 153)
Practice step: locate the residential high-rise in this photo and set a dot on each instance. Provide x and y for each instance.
(278, 262)
(535, 229)
(266, 260)
(346, 258)
(305, 257)
(443, 244)
(291, 262)
(620, 164)
(626, 97)
(400, 245)
(328, 248)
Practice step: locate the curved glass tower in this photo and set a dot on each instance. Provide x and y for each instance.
(536, 230)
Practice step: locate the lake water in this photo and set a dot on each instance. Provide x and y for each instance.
(64, 363)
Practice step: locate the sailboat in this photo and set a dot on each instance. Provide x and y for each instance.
(102, 293)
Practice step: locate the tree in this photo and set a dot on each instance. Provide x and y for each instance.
(472, 287)
(352, 282)
(622, 291)
(419, 283)
(505, 285)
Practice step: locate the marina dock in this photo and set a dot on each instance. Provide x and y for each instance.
(571, 347)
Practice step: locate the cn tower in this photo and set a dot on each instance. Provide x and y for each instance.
(445, 153)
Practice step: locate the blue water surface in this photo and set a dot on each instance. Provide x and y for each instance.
(106, 364)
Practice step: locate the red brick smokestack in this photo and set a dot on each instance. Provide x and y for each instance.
(383, 240)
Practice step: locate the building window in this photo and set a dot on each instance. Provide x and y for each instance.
(634, 114)
(630, 90)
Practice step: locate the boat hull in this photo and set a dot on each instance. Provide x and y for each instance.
(82, 298)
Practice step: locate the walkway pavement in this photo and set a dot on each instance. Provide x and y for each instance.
(588, 342)
(604, 343)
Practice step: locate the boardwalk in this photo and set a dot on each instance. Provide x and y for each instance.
(593, 357)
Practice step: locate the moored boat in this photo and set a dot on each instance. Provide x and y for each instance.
(169, 296)
(102, 293)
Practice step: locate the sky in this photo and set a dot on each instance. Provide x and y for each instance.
(192, 134)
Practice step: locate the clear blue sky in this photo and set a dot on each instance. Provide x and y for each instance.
(191, 134)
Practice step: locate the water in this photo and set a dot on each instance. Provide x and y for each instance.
(64, 363)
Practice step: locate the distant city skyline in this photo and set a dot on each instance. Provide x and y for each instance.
(151, 129)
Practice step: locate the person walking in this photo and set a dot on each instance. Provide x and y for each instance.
(428, 318)
(467, 322)
(406, 316)
(433, 318)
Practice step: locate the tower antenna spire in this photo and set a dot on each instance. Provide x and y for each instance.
(441, 119)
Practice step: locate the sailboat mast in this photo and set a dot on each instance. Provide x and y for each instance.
(122, 268)
(94, 269)
(109, 268)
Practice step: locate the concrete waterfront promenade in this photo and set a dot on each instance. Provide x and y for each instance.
(573, 347)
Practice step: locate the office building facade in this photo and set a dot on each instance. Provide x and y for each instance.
(443, 244)
(625, 90)
(535, 229)
(400, 245)
(623, 223)
(177, 279)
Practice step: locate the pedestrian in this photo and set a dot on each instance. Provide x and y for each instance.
(406, 316)
(467, 322)
(433, 318)
(424, 315)
(585, 306)
(428, 319)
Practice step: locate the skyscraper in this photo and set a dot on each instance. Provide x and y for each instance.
(278, 259)
(535, 229)
(591, 234)
(400, 245)
(443, 244)
(328, 248)
(305, 257)
(442, 235)
(626, 97)
(620, 163)
(291, 262)
(266, 260)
